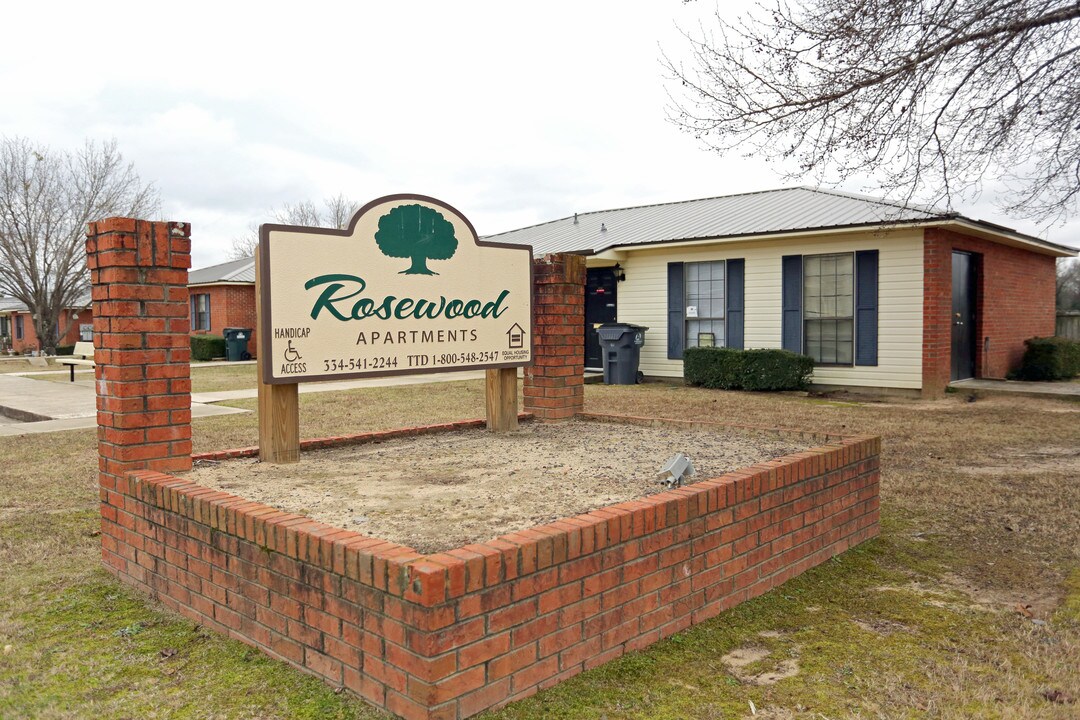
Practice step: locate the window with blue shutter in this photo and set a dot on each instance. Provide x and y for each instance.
(712, 308)
(830, 306)
(866, 307)
(791, 321)
(676, 327)
(736, 291)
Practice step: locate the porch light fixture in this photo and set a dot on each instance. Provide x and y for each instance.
(620, 274)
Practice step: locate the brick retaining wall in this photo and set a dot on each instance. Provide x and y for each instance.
(451, 634)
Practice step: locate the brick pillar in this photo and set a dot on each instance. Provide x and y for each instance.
(555, 384)
(937, 314)
(138, 274)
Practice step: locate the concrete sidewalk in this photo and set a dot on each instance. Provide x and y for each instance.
(86, 372)
(40, 406)
(1062, 390)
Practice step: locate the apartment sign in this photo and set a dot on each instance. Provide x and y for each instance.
(408, 288)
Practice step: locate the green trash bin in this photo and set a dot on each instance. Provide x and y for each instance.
(236, 344)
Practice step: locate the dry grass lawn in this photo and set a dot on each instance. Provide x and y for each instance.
(217, 376)
(20, 364)
(981, 528)
(205, 377)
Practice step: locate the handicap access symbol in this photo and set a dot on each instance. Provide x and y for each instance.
(291, 355)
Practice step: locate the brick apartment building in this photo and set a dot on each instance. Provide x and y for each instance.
(223, 296)
(18, 334)
(881, 295)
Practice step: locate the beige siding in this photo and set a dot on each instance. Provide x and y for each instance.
(642, 299)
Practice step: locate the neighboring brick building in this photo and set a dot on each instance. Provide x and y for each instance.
(223, 296)
(18, 334)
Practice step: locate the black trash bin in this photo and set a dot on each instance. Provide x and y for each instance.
(236, 343)
(621, 347)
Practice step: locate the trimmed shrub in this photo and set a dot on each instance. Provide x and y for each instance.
(713, 367)
(730, 369)
(65, 350)
(1050, 358)
(207, 347)
(776, 370)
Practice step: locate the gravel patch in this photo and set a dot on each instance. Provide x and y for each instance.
(444, 490)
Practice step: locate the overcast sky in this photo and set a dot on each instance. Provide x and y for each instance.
(513, 113)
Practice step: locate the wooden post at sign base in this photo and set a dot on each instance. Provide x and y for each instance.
(279, 405)
(501, 393)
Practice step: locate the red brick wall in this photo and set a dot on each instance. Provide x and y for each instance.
(230, 306)
(554, 387)
(451, 634)
(1014, 302)
(30, 339)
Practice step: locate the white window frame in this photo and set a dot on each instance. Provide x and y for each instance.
(821, 316)
(715, 312)
(195, 312)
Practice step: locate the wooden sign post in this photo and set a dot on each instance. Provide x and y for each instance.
(407, 289)
(279, 405)
(501, 399)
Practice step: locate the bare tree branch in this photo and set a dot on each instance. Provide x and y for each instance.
(46, 200)
(1068, 285)
(931, 98)
(336, 213)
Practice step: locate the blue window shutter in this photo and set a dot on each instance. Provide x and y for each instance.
(736, 284)
(791, 328)
(676, 307)
(866, 307)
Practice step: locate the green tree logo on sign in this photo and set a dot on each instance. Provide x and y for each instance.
(417, 232)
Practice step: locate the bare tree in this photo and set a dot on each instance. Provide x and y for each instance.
(336, 213)
(931, 97)
(46, 200)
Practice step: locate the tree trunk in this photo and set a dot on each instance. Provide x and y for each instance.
(418, 267)
(45, 327)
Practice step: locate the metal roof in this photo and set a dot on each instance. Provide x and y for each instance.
(786, 210)
(766, 212)
(12, 304)
(234, 271)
